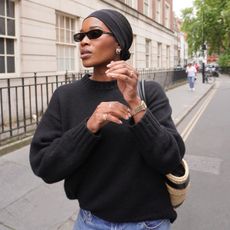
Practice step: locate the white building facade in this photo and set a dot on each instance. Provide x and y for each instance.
(184, 50)
(37, 35)
(181, 45)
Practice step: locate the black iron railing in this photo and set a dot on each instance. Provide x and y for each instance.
(24, 100)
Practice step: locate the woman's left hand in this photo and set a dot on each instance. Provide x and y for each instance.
(127, 78)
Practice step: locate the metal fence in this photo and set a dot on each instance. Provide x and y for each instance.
(24, 100)
(166, 78)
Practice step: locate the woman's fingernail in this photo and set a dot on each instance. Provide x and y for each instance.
(127, 116)
(110, 64)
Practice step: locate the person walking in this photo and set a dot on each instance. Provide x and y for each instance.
(111, 149)
(191, 75)
(196, 65)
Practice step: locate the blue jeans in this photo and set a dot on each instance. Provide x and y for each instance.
(191, 81)
(87, 221)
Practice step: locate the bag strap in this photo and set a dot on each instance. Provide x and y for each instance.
(141, 89)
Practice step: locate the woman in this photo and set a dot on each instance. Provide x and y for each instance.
(191, 73)
(98, 136)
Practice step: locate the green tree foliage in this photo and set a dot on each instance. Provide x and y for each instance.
(224, 60)
(208, 22)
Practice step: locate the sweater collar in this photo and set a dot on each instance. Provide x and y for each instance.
(98, 84)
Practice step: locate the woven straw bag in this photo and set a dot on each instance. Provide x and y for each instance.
(178, 186)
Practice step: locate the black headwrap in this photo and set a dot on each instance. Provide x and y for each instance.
(119, 26)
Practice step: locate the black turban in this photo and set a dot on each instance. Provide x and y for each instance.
(119, 26)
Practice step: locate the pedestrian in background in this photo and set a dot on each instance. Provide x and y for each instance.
(191, 75)
(196, 65)
(111, 149)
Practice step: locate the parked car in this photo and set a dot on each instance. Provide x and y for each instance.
(178, 67)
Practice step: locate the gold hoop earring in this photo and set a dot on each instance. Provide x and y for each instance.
(118, 50)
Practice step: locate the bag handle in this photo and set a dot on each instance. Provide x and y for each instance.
(141, 89)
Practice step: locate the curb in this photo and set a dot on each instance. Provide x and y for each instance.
(15, 145)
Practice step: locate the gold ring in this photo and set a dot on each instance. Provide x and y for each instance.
(104, 116)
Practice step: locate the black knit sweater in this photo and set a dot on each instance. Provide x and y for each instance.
(117, 173)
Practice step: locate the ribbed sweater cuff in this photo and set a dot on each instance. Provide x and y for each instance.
(148, 129)
(82, 135)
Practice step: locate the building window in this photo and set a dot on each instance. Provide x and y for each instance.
(159, 11)
(167, 16)
(65, 27)
(131, 3)
(7, 36)
(147, 8)
(147, 53)
(168, 57)
(159, 55)
(132, 50)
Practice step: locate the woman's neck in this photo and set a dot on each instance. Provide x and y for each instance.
(99, 71)
(99, 74)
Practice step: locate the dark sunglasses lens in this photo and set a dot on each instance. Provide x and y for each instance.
(93, 34)
(78, 37)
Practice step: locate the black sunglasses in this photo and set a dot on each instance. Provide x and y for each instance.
(92, 34)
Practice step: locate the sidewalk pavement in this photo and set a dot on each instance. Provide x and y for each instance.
(27, 203)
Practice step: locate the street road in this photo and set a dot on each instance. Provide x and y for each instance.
(207, 136)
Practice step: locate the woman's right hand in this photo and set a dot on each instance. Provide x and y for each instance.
(106, 112)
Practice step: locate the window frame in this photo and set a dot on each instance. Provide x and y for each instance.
(159, 11)
(167, 56)
(147, 8)
(65, 45)
(148, 53)
(132, 3)
(159, 55)
(167, 15)
(6, 37)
